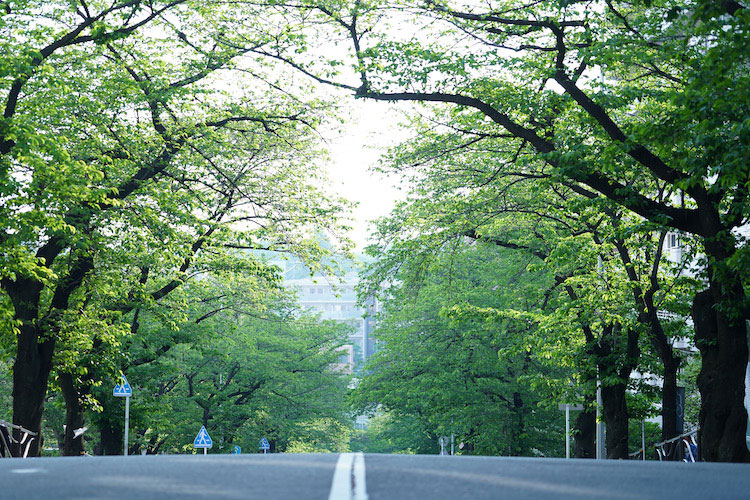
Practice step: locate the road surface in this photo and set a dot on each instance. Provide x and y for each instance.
(360, 477)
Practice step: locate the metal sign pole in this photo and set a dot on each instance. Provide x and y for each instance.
(566, 407)
(123, 390)
(127, 425)
(203, 440)
(600, 454)
(567, 431)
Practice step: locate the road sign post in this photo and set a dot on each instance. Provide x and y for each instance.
(203, 440)
(264, 445)
(443, 441)
(601, 453)
(567, 431)
(124, 390)
(567, 407)
(127, 426)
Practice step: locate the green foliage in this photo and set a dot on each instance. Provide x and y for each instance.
(129, 167)
(390, 433)
(242, 364)
(460, 190)
(446, 366)
(652, 435)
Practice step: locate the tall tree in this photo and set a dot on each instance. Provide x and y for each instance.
(644, 103)
(115, 113)
(458, 189)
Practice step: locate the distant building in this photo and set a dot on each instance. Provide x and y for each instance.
(336, 299)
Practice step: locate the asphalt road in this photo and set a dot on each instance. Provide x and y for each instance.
(357, 477)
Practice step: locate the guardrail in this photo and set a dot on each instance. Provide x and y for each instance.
(682, 448)
(7, 439)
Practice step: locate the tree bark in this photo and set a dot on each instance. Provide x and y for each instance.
(111, 429)
(518, 430)
(614, 384)
(721, 382)
(74, 416)
(670, 362)
(30, 377)
(36, 340)
(669, 399)
(584, 429)
(616, 417)
(584, 436)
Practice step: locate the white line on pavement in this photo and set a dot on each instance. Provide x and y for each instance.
(349, 478)
(360, 488)
(341, 487)
(26, 471)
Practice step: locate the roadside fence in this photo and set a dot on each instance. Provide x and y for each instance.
(7, 439)
(683, 448)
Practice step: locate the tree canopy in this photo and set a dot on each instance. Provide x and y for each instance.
(644, 104)
(134, 158)
(144, 145)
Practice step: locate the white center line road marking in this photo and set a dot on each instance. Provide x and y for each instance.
(358, 475)
(341, 487)
(349, 478)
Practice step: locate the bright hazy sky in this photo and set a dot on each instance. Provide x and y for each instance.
(370, 130)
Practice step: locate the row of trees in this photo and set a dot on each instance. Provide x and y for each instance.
(209, 354)
(630, 116)
(141, 148)
(515, 330)
(492, 351)
(578, 132)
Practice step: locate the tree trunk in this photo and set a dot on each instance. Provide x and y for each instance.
(669, 398)
(30, 377)
(74, 416)
(111, 437)
(615, 413)
(517, 442)
(36, 343)
(669, 360)
(724, 354)
(584, 434)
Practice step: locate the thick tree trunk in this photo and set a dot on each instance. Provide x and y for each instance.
(584, 442)
(110, 421)
(670, 362)
(111, 437)
(724, 354)
(74, 416)
(75, 391)
(30, 377)
(615, 413)
(669, 399)
(36, 341)
(584, 428)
